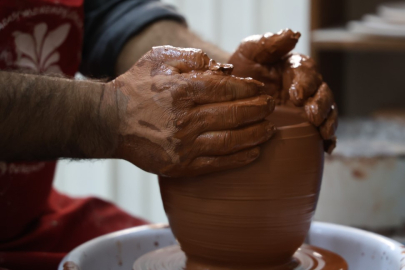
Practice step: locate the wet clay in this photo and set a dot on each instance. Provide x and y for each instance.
(257, 215)
(183, 114)
(305, 258)
(290, 78)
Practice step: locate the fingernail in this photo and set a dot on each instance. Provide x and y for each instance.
(179, 123)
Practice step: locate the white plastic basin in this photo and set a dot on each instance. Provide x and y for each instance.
(116, 251)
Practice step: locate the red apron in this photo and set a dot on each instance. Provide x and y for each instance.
(37, 224)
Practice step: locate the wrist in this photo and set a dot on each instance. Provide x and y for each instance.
(99, 138)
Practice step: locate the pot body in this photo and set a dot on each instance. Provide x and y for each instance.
(257, 214)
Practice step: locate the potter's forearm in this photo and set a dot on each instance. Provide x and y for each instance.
(165, 33)
(44, 118)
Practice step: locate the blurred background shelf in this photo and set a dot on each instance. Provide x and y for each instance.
(342, 39)
(365, 72)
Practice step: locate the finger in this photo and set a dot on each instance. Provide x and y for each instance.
(328, 128)
(329, 145)
(318, 107)
(218, 143)
(186, 59)
(204, 165)
(301, 77)
(230, 115)
(269, 48)
(212, 88)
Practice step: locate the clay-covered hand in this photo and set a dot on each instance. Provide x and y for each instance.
(182, 114)
(290, 78)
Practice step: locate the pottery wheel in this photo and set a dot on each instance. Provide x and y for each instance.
(309, 258)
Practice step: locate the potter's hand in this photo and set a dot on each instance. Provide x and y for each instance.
(290, 78)
(182, 114)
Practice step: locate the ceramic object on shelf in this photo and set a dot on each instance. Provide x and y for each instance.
(365, 192)
(375, 28)
(389, 21)
(364, 180)
(392, 12)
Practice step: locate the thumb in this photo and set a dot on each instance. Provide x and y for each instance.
(269, 48)
(186, 59)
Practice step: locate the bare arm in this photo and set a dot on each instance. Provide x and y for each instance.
(174, 113)
(165, 32)
(43, 118)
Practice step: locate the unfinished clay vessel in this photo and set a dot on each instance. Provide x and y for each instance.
(256, 216)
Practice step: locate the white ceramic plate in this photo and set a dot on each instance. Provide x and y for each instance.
(374, 25)
(116, 251)
(392, 12)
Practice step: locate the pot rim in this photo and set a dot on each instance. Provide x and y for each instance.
(296, 120)
(296, 131)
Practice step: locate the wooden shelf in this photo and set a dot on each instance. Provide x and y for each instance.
(342, 39)
(356, 65)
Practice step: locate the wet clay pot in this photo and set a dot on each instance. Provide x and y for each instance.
(255, 215)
